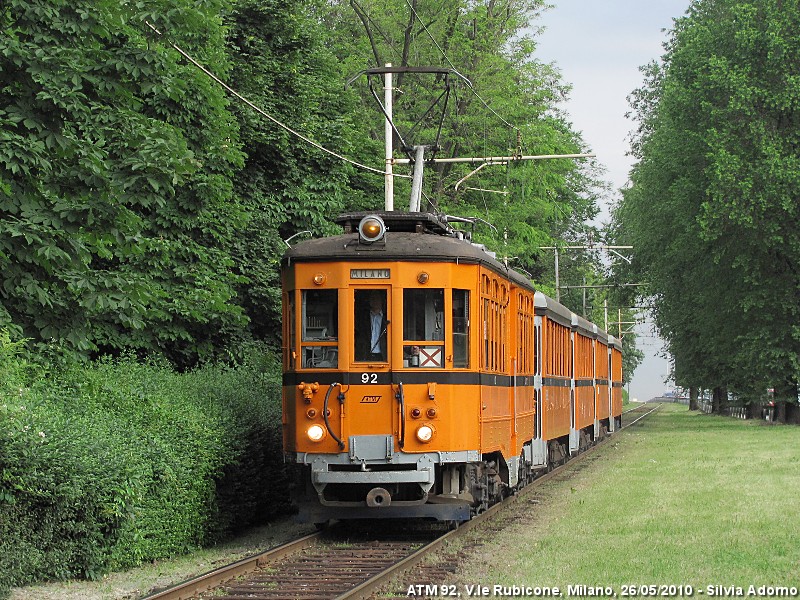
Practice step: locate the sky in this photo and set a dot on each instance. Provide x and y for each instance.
(599, 45)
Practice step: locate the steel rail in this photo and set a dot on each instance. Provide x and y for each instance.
(642, 417)
(214, 579)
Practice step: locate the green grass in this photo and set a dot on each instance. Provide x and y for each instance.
(681, 498)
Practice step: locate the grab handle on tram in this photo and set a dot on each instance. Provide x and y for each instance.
(402, 400)
(325, 414)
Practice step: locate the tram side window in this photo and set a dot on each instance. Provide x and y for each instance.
(423, 328)
(319, 334)
(461, 329)
(494, 327)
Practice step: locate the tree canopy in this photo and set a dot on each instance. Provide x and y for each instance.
(116, 164)
(143, 207)
(713, 206)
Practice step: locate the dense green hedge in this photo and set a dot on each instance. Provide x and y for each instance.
(105, 465)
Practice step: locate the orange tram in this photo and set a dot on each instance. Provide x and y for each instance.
(423, 378)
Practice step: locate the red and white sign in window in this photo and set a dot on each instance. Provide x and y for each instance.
(430, 356)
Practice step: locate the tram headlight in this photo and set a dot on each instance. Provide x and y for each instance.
(371, 229)
(315, 433)
(425, 433)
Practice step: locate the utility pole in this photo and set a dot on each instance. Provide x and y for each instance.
(619, 323)
(558, 286)
(388, 179)
(584, 297)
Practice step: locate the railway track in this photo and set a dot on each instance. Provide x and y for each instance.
(639, 412)
(347, 562)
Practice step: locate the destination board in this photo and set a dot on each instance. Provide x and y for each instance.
(370, 274)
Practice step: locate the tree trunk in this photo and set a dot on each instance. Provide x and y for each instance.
(754, 410)
(692, 398)
(785, 392)
(780, 411)
(364, 18)
(792, 413)
(716, 401)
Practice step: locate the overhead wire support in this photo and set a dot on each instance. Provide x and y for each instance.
(501, 192)
(262, 112)
(496, 159)
(595, 287)
(474, 171)
(583, 247)
(468, 82)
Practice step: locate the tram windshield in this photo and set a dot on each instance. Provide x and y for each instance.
(423, 328)
(371, 325)
(319, 329)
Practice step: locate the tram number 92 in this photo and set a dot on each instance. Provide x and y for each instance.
(369, 378)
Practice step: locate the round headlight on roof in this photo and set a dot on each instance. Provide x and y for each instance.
(371, 229)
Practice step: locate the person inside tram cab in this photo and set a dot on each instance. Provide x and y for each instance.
(371, 330)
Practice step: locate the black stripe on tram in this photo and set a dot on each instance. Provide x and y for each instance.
(420, 377)
(406, 377)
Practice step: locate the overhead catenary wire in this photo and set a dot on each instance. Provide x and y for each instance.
(452, 66)
(389, 42)
(262, 112)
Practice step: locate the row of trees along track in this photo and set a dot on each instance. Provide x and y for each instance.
(713, 208)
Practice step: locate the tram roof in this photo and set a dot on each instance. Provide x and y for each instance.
(553, 310)
(409, 237)
(584, 326)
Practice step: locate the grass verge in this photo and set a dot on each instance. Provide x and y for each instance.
(681, 498)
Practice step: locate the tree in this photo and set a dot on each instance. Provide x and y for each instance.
(713, 206)
(115, 177)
